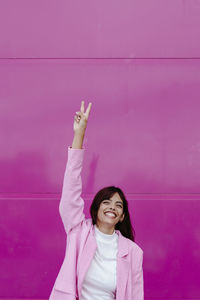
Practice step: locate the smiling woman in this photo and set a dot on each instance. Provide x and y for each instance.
(102, 260)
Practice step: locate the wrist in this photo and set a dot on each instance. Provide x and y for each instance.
(79, 133)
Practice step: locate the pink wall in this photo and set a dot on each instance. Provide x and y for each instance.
(138, 63)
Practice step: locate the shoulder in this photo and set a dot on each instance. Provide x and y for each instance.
(84, 225)
(136, 256)
(130, 247)
(134, 247)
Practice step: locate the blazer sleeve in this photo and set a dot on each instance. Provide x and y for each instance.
(71, 203)
(138, 282)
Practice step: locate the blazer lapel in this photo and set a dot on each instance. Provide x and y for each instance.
(86, 258)
(123, 265)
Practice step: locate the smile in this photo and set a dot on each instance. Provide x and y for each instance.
(110, 215)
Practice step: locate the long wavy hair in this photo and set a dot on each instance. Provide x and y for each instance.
(125, 227)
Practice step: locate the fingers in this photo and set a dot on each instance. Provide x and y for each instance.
(82, 107)
(78, 116)
(88, 109)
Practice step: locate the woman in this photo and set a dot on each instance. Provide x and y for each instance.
(102, 261)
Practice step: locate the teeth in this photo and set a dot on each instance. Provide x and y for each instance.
(110, 214)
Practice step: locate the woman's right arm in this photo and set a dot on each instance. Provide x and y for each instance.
(71, 204)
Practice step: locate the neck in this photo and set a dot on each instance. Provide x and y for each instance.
(105, 228)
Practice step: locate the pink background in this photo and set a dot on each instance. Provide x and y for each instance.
(138, 62)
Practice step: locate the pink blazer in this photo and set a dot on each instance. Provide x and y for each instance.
(81, 243)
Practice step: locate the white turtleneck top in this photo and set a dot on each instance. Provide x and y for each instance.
(100, 280)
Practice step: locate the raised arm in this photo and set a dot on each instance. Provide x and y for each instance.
(71, 204)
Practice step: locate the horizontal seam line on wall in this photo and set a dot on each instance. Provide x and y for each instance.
(93, 58)
(89, 196)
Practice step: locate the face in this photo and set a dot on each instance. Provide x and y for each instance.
(114, 205)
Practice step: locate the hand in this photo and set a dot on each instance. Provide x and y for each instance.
(81, 118)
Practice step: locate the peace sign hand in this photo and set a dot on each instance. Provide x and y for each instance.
(81, 118)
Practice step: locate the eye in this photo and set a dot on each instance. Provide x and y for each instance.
(106, 201)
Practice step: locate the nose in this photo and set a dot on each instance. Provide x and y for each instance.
(112, 207)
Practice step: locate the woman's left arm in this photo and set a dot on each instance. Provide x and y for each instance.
(138, 282)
